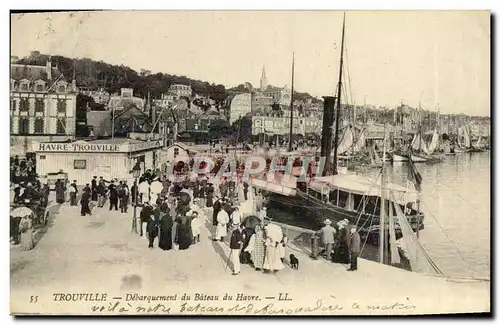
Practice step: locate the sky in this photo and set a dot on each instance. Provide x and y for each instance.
(438, 58)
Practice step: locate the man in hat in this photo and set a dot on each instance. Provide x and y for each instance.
(101, 192)
(235, 246)
(72, 193)
(93, 187)
(85, 200)
(328, 238)
(236, 218)
(113, 196)
(354, 248)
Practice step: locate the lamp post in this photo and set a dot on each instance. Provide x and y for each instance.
(136, 171)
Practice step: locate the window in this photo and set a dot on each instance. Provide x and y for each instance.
(61, 106)
(80, 164)
(24, 105)
(39, 105)
(39, 87)
(176, 152)
(12, 105)
(24, 126)
(24, 86)
(61, 126)
(61, 88)
(39, 126)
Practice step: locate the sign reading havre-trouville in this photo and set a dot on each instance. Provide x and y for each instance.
(95, 147)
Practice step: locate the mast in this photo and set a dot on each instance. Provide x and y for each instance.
(382, 220)
(337, 115)
(291, 107)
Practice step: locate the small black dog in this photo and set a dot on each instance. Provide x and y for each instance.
(294, 262)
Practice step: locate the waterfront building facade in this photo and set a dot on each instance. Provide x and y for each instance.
(42, 106)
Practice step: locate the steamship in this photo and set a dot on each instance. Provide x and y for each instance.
(361, 200)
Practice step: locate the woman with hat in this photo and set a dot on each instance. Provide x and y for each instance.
(210, 195)
(256, 248)
(26, 230)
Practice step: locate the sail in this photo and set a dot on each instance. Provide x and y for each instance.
(360, 144)
(346, 142)
(418, 257)
(459, 139)
(395, 258)
(466, 136)
(418, 144)
(434, 142)
(479, 142)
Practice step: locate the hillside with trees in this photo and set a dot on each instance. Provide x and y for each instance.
(98, 74)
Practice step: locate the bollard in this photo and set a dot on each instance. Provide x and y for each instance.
(314, 247)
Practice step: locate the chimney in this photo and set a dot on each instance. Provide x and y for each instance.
(327, 132)
(48, 69)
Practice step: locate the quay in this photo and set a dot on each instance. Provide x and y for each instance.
(99, 254)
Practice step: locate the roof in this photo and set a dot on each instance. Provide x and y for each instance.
(182, 146)
(114, 141)
(359, 184)
(125, 102)
(32, 72)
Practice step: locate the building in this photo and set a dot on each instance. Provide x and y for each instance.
(240, 106)
(109, 158)
(179, 90)
(124, 100)
(278, 125)
(165, 100)
(99, 96)
(42, 106)
(282, 96)
(176, 152)
(263, 80)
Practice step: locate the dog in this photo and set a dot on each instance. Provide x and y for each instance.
(294, 262)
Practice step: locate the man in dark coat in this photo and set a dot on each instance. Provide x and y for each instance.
(146, 212)
(235, 246)
(245, 190)
(73, 191)
(113, 196)
(354, 248)
(133, 192)
(94, 188)
(152, 228)
(217, 208)
(85, 200)
(60, 189)
(101, 192)
(210, 195)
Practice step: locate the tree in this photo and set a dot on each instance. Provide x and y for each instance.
(219, 129)
(243, 128)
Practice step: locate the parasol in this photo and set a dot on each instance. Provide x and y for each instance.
(251, 222)
(156, 187)
(21, 212)
(274, 232)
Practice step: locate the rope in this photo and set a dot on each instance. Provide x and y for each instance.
(451, 241)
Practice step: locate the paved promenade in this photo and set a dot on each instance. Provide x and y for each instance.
(100, 254)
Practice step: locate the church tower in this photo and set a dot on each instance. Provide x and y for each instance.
(263, 79)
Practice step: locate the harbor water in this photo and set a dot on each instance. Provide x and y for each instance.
(455, 198)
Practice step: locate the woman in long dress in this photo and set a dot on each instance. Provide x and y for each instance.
(184, 233)
(166, 232)
(257, 249)
(222, 221)
(26, 230)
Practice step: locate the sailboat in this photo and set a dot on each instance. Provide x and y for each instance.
(339, 196)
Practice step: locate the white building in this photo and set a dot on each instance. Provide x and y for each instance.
(109, 158)
(180, 90)
(124, 100)
(240, 106)
(42, 106)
